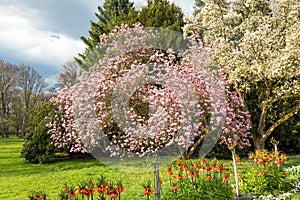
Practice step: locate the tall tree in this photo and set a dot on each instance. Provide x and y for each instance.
(31, 84)
(111, 14)
(162, 13)
(8, 80)
(259, 44)
(68, 76)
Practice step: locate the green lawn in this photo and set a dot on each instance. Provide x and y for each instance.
(18, 177)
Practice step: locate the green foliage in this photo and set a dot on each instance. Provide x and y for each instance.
(161, 13)
(37, 195)
(273, 180)
(111, 14)
(257, 44)
(38, 147)
(201, 189)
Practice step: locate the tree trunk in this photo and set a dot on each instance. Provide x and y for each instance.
(259, 143)
(262, 134)
(236, 178)
(5, 135)
(191, 152)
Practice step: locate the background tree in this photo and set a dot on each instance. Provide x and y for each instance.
(31, 84)
(8, 80)
(38, 147)
(111, 14)
(20, 88)
(259, 44)
(68, 76)
(161, 13)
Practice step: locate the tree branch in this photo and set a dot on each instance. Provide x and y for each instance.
(281, 120)
(284, 97)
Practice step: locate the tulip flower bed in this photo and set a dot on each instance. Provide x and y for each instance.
(202, 179)
(198, 180)
(266, 174)
(101, 189)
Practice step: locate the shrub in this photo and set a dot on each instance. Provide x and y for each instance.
(38, 147)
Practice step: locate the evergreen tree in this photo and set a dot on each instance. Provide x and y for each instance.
(162, 13)
(168, 16)
(111, 14)
(38, 147)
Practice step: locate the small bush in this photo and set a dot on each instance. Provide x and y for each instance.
(38, 147)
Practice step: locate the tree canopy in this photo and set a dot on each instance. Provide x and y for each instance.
(85, 112)
(20, 88)
(157, 13)
(161, 13)
(259, 45)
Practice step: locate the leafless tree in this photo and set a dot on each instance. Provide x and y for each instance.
(8, 80)
(31, 84)
(68, 76)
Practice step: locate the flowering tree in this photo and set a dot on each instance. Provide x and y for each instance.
(61, 124)
(259, 46)
(156, 115)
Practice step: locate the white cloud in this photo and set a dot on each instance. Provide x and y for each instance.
(45, 34)
(20, 36)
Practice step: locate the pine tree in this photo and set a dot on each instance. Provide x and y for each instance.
(111, 14)
(169, 18)
(161, 13)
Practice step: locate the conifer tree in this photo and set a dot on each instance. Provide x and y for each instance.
(111, 14)
(162, 13)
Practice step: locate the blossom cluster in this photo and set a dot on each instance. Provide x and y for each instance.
(141, 99)
(61, 125)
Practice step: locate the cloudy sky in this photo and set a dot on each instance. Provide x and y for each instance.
(45, 33)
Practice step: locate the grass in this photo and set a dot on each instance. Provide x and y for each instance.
(18, 177)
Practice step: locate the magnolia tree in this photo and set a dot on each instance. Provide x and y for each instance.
(259, 47)
(139, 99)
(61, 125)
